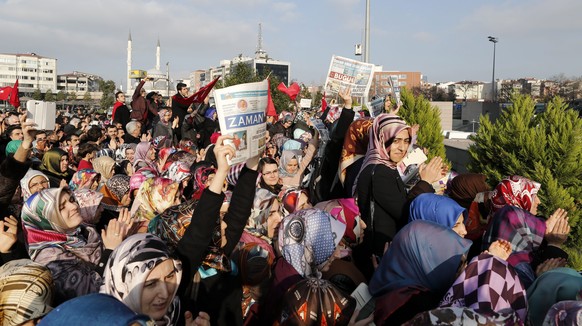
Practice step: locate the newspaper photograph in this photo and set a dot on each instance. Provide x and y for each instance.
(349, 73)
(241, 114)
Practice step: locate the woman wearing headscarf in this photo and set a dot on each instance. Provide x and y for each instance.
(438, 209)
(85, 179)
(564, 313)
(145, 155)
(264, 220)
(55, 165)
(293, 163)
(154, 196)
(33, 182)
(353, 153)
(116, 196)
(125, 152)
(514, 208)
(105, 166)
(379, 188)
(26, 292)
(416, 271)
(73, 252)
(166, 126)
(89, 205)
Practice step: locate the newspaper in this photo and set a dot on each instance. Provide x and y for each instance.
(348, 73)
(364, 301)
(408, 168)
(241, 113)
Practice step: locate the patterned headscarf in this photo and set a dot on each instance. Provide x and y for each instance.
(523, 230)
(88, 201)
(515, 191)
(308, 238)
(120, 154)
(83, 179)
(51, 162)
(384, 129)
(129, 266)
(26, 291)
(162, 115)
(423, 254)
(113, 192)
(290, 200)
(201, 172)
(355, 144)
(177, 171)
(257, 223)
(181, 156)
(140, 176)
(105, 152)
(488, 284)
(104, 165)
(435, 208)
(463, 316)
(286, 157)
(346, 211)
(567, 312)
(25, 182)
(141, 152)
(154, 196)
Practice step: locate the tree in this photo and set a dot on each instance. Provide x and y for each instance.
(61, 95)
(546, 148)
(108, 90)
(317, 99)
(240, 73)
(49, 96)
(87, 97)
(37, 95)
(305, 93)
(72, 96)
(417, 110)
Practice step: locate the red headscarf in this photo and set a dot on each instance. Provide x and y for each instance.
(515, 191)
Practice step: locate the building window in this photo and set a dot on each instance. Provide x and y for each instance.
(402, 77)
(402, 83)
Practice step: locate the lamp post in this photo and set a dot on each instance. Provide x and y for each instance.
(168, 78)
(494, 40)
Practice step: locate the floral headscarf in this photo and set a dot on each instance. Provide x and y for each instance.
(141, 152)
(177, 171)
(257, 223)
(129, 266)
(355, 144)
(114, 190)
(83, 179)
(182, 156)
(346, 211)
(88, 201)
(140, 176)
(25, 182)
(154, 196)
(515, 191)
(201, 172)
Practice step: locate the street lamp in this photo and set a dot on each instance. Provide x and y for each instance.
(494, 40)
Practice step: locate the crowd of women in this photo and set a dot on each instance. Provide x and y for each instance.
(98, 231)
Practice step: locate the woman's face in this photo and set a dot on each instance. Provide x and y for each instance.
(37, 183)
(459, 226)
(167, 116)
(69, 210)
(158, 290)
(270, 174)
(273, 220)
(151, 153)
(129, 170)
(130, 154)
(292, 166)
(271, 150)
(399, 146)
(535, 201)
(303, 202)
(64, 165)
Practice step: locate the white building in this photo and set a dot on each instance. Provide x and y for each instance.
(79, 83)
(161, 82)
(32, 71)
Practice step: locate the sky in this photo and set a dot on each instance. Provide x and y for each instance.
(444, 40)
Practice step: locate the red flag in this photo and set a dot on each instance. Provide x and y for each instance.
(270, 106)
(197, 97)
(14, 99)
(5, 92)
(292, 91)
(323, 103)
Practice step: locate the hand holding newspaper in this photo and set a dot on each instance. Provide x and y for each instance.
(241, 113)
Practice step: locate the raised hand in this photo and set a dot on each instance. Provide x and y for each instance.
(500, 248)
(203, 319)
(346, 95)
(8, 231)
(557, 228)
(431, 172)
(113, 235)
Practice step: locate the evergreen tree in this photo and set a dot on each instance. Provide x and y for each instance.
(417, 110)
(37, 95)
(87, 97)
(107, 89)
(61, 95)
(49, 96)
(546, 148)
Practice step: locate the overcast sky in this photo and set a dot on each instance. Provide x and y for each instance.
(444, 40)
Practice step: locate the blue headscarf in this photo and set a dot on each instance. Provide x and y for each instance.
(423, 254)
(435, 208)
(104, 310)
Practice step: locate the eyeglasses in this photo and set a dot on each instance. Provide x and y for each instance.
(44, 183)
(266, 174)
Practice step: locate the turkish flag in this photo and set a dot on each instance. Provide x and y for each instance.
(14, 99)
(270, 105)
(323, 103)
(5, 93)
(197, 97)
(292, 91)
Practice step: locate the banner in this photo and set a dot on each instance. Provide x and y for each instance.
(241, 113)
(348, 73)
(305, 103)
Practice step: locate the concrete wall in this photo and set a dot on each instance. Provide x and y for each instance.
(446, 109)
(473, 110)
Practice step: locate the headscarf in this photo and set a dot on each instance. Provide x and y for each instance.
(488, 284)
(290, 200)
(164, 154)
(459, 316)
(423, 253)
(553, 286)
(286, 157)
(25, 181)
(355, 144)
(523, 230)
(162, 114)
(209, 113)
(104, 165)
(567, 312)
(154, 196)
(141, 152)
(120, 154)
(128, 268)
(201, 171)
(464, 187)
(161, 142)
(51, 162)
(140, 176)
(114, 190)
(83, 179)
(26, 291)
(257, 223)
(105, 152)
(435, 208)
(308, 238)
(346, 211)
(298, 132)
(182, 156)
(88, 201)
(515, 191)
(177, 171)
(105, 310)
(294, 145)
(12, 146)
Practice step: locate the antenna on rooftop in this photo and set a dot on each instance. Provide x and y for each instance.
(260, 53)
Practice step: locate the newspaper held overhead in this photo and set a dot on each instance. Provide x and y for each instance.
(348, 73)
(241, 113)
